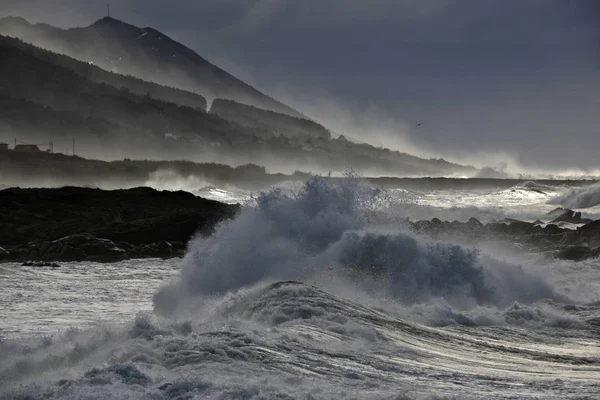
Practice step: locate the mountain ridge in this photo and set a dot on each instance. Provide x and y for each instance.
(49, 97)
(147, 53)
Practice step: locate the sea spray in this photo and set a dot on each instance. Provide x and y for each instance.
(290, 340)
(584, 197)
(321, 231)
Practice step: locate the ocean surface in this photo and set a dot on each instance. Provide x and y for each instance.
(303, 297)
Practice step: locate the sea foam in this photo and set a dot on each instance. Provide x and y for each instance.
(319, 233)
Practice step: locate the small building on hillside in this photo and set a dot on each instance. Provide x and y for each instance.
(29, 148)
(3, 146)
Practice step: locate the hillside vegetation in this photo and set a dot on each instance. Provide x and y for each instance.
(48, 97)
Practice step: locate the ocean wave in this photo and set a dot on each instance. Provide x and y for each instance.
(584, 197)
(299, 297)
(320, 232)
(165, 179)
(294, 341)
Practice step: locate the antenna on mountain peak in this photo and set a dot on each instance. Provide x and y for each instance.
(108, 10)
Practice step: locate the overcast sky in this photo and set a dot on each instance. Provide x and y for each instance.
(490, 80)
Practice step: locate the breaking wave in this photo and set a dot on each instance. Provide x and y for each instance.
(319, 233)
(584, 197)
(288, 340)
(239, 325)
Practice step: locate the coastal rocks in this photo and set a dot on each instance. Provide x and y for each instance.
(433, 227)
(73, 248)
(162, 249)
(571, 217)
(474, 224)
(86, 247)
(551, 240)
(588, 235)
(40, 264)
(83, 224)
(577, 253)
(556, 211)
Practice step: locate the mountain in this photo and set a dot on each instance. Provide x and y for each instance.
(47, 97)
(43, 101)
(143, 52)
(20, 27)
(99, 75)
(268, 121)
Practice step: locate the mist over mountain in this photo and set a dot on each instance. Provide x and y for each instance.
(280, 124)
(288, 225)
(143, 52)
(511, 85)
(47, 97)
(99, 75)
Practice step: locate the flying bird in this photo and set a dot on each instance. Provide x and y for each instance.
(419, 124)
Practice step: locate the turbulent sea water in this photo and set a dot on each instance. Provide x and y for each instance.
(303, 297)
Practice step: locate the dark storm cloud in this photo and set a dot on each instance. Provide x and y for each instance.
(513, 76)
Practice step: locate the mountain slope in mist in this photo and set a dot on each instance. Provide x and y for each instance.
(49, 97)
(113, 115)
(99, 75)
(279, 124)
(143, 52)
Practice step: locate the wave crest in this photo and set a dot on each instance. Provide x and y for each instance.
(320, 233)
(584, 197)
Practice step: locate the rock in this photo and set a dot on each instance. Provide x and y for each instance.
(571, 217)
(77, 224)
(514, 228)
(81, 247)
(551, 240)
(576, 253)
(510, 220)
(587, 235)
(86, 247)
(474, 223)
(553, 229)
(102, 250)
(40, 264)
(161, 249)
(591, 228)
(433, 227)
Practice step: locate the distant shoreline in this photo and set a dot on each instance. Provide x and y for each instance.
(55, 170)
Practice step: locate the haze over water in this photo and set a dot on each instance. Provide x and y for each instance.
(299, 199)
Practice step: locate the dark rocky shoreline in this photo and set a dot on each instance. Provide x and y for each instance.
(82, 224)
(551, 240)
(42, 226)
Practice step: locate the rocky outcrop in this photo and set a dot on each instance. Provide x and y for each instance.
(40, 264)
(571, 217)
(73, 248)
(162, 249)
(86, 247)
(80, 224)
(552, 240)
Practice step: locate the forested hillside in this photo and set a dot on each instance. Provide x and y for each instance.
(98, 75)
(24, 76)
(47, 97)
(143, 52)
(267, 121)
